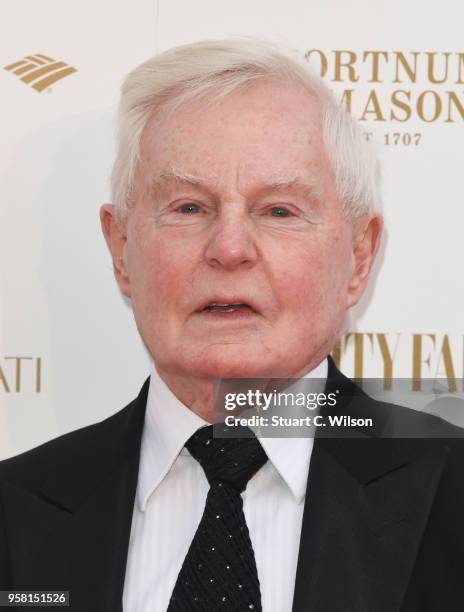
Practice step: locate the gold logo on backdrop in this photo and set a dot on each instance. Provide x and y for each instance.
(396, 86)
(424, 356)
(40, 71)
(20, 374)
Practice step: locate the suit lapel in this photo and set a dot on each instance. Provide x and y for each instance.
(101, 537)
(75, 521)
(368, 500)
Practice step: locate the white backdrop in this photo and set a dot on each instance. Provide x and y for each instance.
(69, 350)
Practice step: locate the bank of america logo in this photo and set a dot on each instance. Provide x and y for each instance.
(40, 71)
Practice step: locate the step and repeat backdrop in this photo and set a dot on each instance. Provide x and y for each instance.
(70, 354)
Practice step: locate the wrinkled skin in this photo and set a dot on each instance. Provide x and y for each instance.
(236, 202)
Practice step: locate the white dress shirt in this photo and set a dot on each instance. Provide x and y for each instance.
(171, 496)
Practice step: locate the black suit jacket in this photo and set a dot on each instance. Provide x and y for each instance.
(383, 524)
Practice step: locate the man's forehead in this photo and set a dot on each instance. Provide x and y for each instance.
(211, 128)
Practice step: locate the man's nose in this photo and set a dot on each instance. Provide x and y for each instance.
(232, 244)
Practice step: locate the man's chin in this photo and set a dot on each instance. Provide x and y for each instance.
(229, 363)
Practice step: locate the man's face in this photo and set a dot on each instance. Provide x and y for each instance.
(237, 257)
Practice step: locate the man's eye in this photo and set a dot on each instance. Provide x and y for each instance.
(279, 211)
(188, 209)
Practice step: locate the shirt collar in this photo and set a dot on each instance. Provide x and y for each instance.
(291, 456)
(169, 424)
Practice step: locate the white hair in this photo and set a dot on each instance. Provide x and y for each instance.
(214, 69)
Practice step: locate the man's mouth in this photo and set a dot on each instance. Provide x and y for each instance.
(230, 306)
(226, 307)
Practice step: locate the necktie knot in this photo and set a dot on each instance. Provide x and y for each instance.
(232, 461)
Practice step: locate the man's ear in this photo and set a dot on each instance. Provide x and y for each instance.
(114, 231)
(366, 240)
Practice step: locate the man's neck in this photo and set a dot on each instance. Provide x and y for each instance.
(198, 393)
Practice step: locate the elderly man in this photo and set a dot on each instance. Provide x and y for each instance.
(245, 221)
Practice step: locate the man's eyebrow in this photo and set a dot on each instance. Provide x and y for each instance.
(307, 186)
(174, 175)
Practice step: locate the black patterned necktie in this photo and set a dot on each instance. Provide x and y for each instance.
(219, 571)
